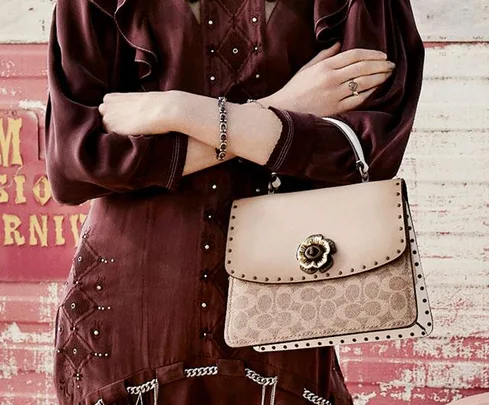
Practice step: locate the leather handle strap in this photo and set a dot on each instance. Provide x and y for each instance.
(350, 134)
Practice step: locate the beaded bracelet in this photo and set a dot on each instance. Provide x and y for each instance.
(223, 129)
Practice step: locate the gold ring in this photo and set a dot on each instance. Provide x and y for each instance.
(353, 86)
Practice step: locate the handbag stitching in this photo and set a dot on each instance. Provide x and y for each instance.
(417, 277)
(416, 329)
(316, 333)
(305, 277)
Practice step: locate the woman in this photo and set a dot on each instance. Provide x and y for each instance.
(132, 123)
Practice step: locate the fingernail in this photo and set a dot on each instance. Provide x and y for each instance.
(392, 65)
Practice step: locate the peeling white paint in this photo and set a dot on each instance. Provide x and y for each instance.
(459, 375)
(32, 104)
(44, 359)
(13, 335)
(3, 303)
(453, 394)
(6, 91)
(361, 398)
(8, 367)
(6, 67)
(405, 394)
(454, 349)
(48, 303)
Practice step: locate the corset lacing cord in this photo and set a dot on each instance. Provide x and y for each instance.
(264, 382)
(144, 388)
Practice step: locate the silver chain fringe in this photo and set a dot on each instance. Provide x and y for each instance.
(143, 389)
(264, 382)
(212, 370)
(200, 371)
(315, 399)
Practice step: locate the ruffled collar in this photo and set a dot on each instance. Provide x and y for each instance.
(329, 16)
(131, 21)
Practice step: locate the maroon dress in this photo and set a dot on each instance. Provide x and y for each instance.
(142, 314)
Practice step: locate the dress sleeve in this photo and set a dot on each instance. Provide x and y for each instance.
(83, 160)
(310, 147)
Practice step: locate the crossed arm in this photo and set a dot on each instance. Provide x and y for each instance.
(321, 87)
(100, 143)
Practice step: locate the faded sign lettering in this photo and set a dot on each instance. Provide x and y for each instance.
(31, 222)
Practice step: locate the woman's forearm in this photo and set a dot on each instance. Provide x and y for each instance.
(200, 156)
(252, 131)
(321, 87)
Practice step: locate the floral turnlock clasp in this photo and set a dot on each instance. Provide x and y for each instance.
(314, 254)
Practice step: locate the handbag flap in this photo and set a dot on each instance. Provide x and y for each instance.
(316, 234)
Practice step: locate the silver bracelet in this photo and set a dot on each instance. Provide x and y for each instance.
(223, 129)
(252, 100)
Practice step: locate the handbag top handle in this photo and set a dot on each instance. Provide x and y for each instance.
(350, 134)
(360, 161)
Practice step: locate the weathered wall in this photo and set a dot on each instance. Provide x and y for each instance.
(446, 165)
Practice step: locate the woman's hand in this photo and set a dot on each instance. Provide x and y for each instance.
(148, 113)
(321, 87)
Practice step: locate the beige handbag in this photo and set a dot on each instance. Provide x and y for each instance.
(322, 267)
